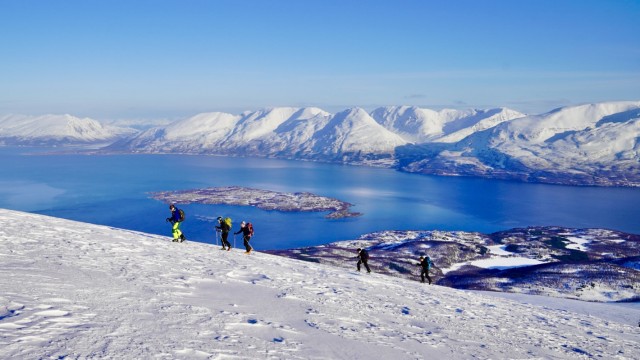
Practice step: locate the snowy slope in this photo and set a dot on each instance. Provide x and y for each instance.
(195, 134)
(276, 132)
(355, 130)
(56, 129)
(75, 290)
(424, 125)
(574, 135)
(262, 123)
(293, 138)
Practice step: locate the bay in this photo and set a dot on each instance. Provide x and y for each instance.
(113, 190)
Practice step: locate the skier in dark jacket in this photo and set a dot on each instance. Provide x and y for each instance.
(246, 236)
(363, 258)
(425, 264)
(175, 219)
(224, 228)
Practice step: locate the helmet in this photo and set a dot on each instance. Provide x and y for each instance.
(171, 206)
(359, 250)
(242, 224)
(219, 218)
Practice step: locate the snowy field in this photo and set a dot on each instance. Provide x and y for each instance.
(75, 290)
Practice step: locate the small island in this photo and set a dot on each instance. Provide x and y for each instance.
(262, 199)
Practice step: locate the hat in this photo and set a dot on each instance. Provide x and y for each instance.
(359, 250)
(219, 218)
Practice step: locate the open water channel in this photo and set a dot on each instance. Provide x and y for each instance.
(113, 190)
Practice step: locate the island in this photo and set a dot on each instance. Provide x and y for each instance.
(262, 199)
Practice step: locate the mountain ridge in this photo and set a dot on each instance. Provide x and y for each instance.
(591, 144)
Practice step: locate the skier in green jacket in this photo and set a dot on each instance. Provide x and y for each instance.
(176, 218)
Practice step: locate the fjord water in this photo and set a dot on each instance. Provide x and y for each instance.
(114, 190)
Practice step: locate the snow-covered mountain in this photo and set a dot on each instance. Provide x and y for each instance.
(353, 131)
(351, 136)
(75, 290)
(594, 144)
(418, 125)
(57, 130)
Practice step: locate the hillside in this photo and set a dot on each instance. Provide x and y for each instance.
(75, 290)
(585, 264)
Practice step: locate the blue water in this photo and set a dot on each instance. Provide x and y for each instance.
(113, 190)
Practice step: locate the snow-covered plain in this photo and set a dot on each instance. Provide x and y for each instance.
(76, 290)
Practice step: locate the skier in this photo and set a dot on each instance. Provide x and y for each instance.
(363, 258)
(247, 231)
(425, 263)
(177, 217)
(224, 227)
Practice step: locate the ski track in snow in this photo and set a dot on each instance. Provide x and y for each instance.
(77, 290)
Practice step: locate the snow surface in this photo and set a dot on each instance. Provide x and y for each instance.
(78, 290)
(577, 243)
(499, 250)
(505, 263)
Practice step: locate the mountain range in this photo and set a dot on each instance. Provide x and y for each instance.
(595, 144)
(591, 144)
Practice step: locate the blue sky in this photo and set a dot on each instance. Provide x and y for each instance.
(115, 59)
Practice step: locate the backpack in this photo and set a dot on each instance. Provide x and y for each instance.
(227, 221)
(181, 215)
(250, 228)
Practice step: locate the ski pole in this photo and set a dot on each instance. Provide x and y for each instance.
(234, 240)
